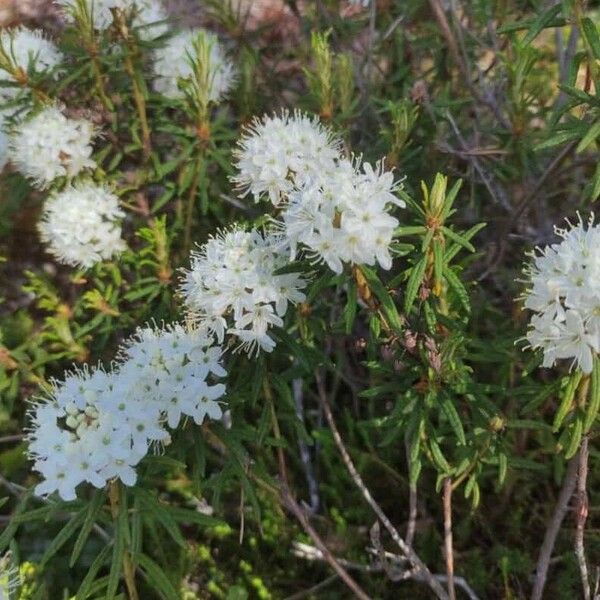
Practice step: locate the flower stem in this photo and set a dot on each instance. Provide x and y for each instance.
(100, 84)
(189, 212)
(114, 496)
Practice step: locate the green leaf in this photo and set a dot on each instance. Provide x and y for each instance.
(591, 135)
(455, 422)
(184, 515)
(414, 471)
(414, 281)
(158, 579)
(156, 511)
(576, 432)
(86, 585)
(502, 468)
(34, 515)
(528, 424)
(383, 295)
(93, 510)
(438, 260)
(527, 24)
(591, 411)
(63, 536)
(567, 400)
(460, 240)
(595, 193)
(349, 313)
(558, 138)
(590, 32)
(438, 458)
(450, 197)
(10, 530)
(116, 565)
(544, 20)
(410, 230)
(458, 288)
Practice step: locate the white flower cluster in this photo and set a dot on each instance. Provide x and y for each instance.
(278, 153)
(49, 145)
(234, 275)
(173, 63)
(149, 16)
(81, 224)
(336, 209)
(564, 294)
(96, 426)
(342, 216)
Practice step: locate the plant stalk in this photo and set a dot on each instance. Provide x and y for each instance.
(114, 496)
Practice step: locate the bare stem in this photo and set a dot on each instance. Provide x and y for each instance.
(410, 554)
(100, 84)
(581, 513)
(448, 547)
(560, 510)
(189, 213)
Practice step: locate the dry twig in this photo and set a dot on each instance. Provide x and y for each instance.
(560, 510)
(448, 546)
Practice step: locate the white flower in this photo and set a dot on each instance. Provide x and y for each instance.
(49, 145)
(233, 279)
(29, 50)
(564, 294)
(343, 215)
(173, 369)
(283, 151)
(173, 63)
(82, 225)
(149, 16)
(96, 426)
(73, 440)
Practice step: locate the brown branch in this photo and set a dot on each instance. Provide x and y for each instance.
(440, 17)
(448, 547)
(396, 568)
(292, 505)
(560, 510)
(581, 513)
(410, 554)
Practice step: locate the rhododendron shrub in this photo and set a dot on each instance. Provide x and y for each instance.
(299, 300)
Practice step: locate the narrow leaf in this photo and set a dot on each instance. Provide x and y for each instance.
(414, 281)
(157, 578)
(455, 422)
(593, 405)
(63, 536)
(93, 510)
